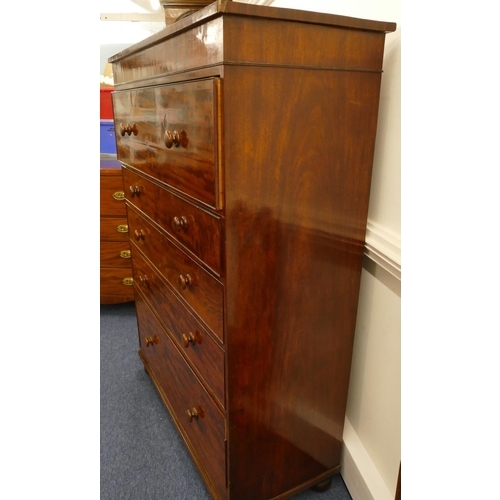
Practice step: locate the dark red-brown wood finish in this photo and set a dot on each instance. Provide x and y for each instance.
(248, 142)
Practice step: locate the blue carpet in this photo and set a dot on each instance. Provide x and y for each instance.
(142, 455)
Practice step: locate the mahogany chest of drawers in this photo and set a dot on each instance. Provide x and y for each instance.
(116, 264)
(246, 135)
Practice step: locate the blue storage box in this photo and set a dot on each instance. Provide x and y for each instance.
(108, 142)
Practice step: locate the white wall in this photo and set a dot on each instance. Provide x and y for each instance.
(372, 435)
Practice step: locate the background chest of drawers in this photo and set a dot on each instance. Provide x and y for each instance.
(246, 135)
(116, 264)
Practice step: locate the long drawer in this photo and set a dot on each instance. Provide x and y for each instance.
(170, 132)
(114, 229)
(195, 229)
(197, 287)
(206, 357)
(201, 422)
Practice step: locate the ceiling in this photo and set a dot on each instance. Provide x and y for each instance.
(142, 10)
(130, 10)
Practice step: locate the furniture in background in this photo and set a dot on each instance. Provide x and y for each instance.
(247, 136)
(116, 264)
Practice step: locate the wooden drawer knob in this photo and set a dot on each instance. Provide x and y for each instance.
(176, 139)
(135, 190)
(193, 414)
(184, 281)
(151, 340)
(143, 279)
(139, 234)
(191, 338)
(128, 129)
(179, 223)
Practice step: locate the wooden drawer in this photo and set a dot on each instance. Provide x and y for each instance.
(116, 254)
(183, 392)
(112, 196)
(206, 357)
(197, 287)
(117, 281)
(170, 133)
(195, 229)
(114, 229)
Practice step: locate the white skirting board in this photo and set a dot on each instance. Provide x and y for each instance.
(358, 470)
(384, 248)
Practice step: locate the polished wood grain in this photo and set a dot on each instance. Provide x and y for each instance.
(190, 336)
(114, 268)
(202, 235)
(294, 135)
(305, 215)
(183, 392)
(174, 135)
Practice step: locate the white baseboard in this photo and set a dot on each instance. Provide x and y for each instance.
(384, 248)
(358, 470)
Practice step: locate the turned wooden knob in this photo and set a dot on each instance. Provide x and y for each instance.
(193, 338)
(133, 129)
(135, 191)
(184, 281)
(176, 138)
(151, 340)
(128, 129)
(192, 413)
(143, 279)
(139, 234)
(180, 223)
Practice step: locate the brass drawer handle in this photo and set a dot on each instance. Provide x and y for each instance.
(193, 413)
(184, 281)
(176, 139)
(122, 228)
(128, 281)
(151, 340)
(125, 254)
(119, 195)
(179, 223)
(139, 234)
(193, 338)
(128, 129)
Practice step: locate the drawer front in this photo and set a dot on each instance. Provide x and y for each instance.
(117, 281)
(195, 229)
(112, 196)
(170, 132)
(183, 391)
(201, 291)
(206, 357)
(114, 229)
(116, 254)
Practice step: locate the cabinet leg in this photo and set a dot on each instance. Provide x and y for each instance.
(323, 486)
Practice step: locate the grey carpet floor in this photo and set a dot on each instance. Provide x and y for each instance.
(142, 455)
